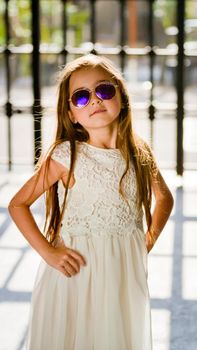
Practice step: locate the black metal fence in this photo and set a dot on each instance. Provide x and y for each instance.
(125, 52)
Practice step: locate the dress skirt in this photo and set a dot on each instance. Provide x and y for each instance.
(106, 306)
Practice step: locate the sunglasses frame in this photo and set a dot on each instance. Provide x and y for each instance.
(91, 91)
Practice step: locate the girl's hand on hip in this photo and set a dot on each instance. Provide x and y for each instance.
(65, 260)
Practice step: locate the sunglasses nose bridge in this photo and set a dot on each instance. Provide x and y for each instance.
(94, 98)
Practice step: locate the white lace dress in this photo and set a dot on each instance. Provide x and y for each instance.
(106, 306)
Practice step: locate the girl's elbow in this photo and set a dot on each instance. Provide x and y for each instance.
(11, 206)
(14, 204)
(166, 200)
(171, 200)
(10, 209)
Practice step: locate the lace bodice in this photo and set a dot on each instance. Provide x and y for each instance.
(94, 204)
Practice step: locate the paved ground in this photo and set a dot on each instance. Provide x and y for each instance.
(172, 271)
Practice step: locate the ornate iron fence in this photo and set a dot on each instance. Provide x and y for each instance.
(124, 51)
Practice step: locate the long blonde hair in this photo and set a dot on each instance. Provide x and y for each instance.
(132, 148)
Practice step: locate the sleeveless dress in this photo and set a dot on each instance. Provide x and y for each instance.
(106, 306)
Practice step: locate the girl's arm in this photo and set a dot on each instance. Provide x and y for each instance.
(19, 209)
(163, 207)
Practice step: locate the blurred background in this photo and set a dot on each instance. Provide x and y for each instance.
(154, 43)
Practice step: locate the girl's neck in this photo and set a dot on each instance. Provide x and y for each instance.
(102, 143)
(104, 146)
(104, 140)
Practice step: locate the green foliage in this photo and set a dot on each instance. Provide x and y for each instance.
(2, 25)
(76, 20)
(166, 10)
(51, 22)
(51, 31)
(20, 21)
(190, 11)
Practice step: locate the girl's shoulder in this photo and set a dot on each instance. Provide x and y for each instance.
(143, 147)
(146, 155)
(61, 153)
(61, 148)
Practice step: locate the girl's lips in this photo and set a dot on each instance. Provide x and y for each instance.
(98, 111)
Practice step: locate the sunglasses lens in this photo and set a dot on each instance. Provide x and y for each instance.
(105, 91)
(80, 98)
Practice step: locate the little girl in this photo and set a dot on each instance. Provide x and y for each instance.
(91, 291)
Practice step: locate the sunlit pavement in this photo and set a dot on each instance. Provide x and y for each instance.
(172, 270)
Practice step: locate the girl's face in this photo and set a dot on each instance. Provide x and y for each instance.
(97, 113)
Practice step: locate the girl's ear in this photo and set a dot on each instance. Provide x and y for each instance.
(71, 117)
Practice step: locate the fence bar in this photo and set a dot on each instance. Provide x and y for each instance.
(64, 30)
(152, 62)
(122, 34)
(93, 25)
(8, 106)
(180, 84)
(36, 108)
